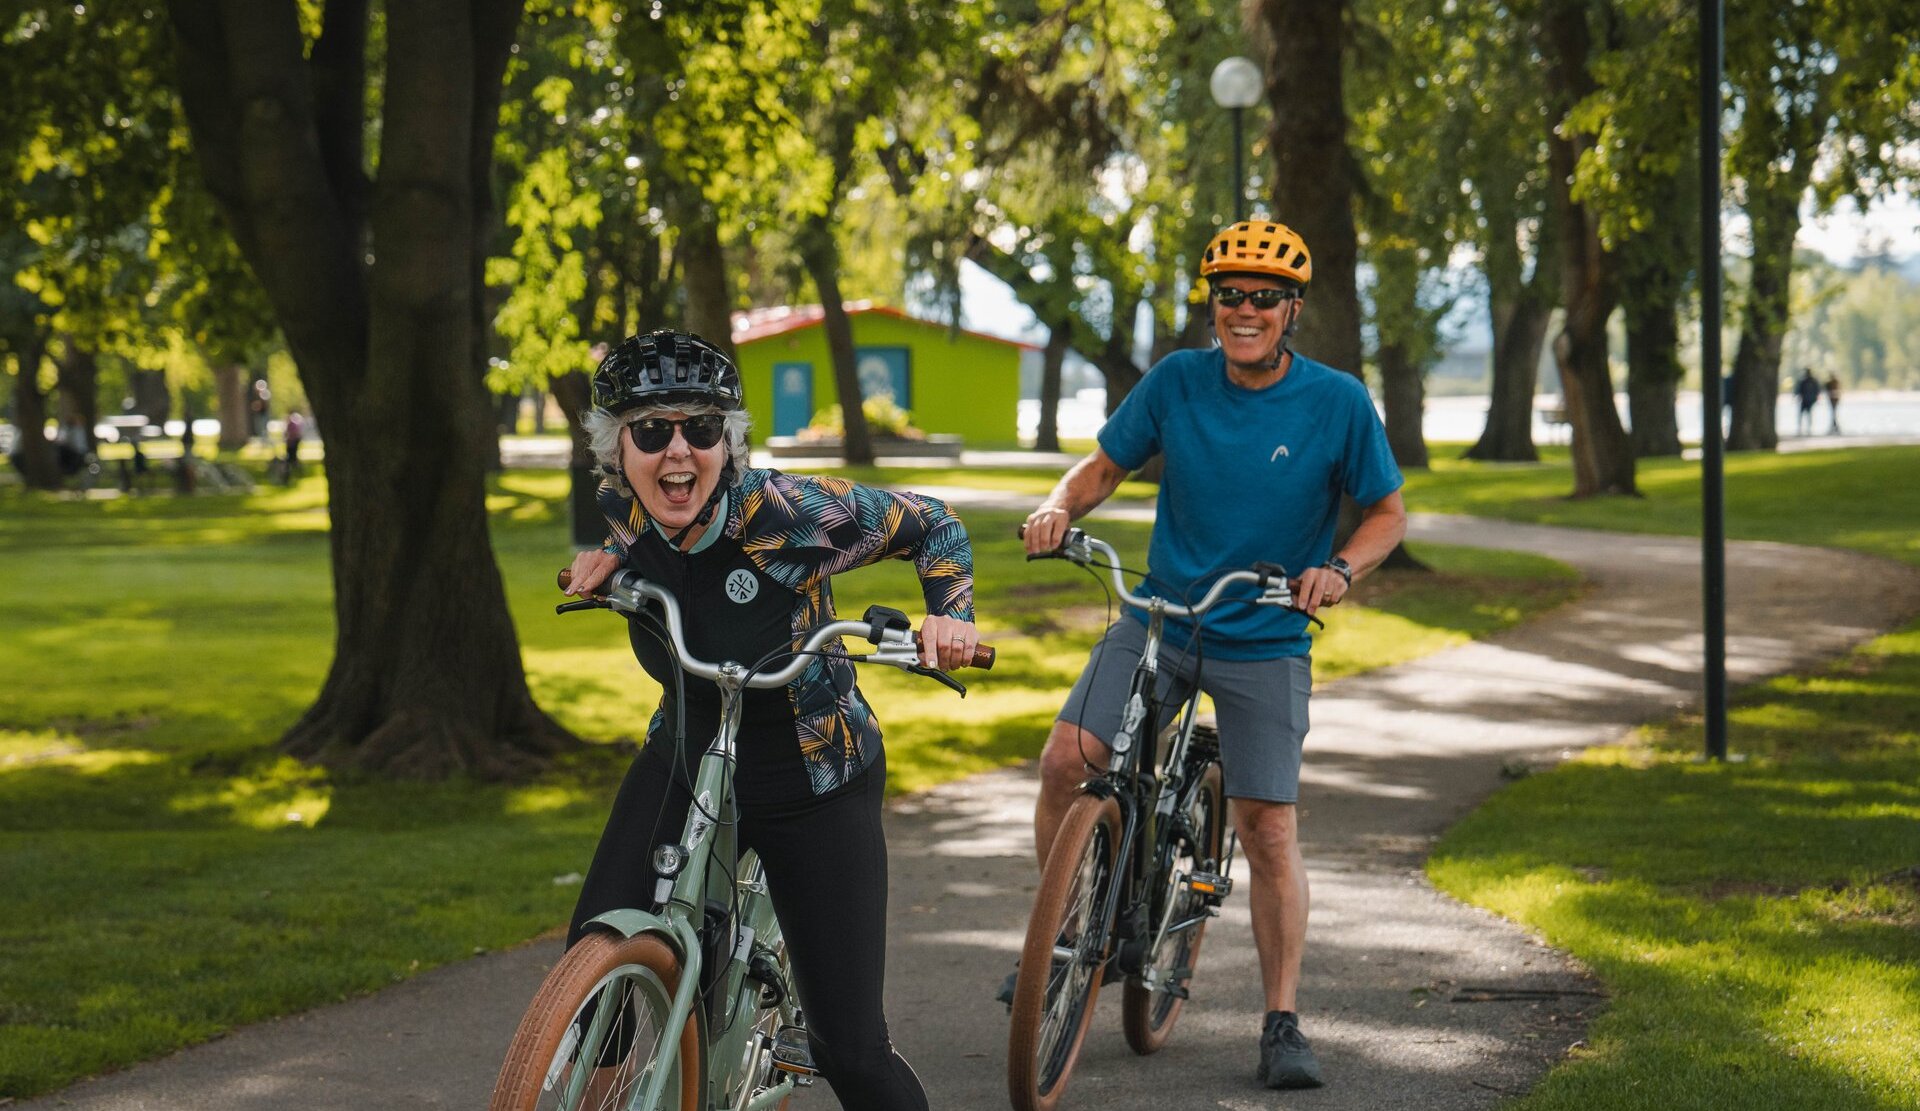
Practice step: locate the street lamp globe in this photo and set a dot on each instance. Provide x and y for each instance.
(1236, 83)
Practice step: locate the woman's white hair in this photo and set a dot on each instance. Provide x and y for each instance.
(604, 431)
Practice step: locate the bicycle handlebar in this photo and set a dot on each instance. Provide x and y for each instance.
(894, 644)
(1275, 588)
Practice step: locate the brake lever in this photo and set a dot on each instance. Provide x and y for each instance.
(583, 604)
(936, 674)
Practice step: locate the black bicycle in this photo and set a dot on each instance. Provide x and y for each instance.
(1137, 868)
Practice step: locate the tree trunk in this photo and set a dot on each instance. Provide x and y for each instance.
(1315, 179)
(1059, 339)
(426, 678)
(1653, 374)
(1655, 262)
(34, 453)
(822, 258)
(1520, 338)
(1404, 394)
(230, 381)
(703, 266)
(1602, 455)
(151, 399)
(1521, 312)
(1763, 321)
(79, 389)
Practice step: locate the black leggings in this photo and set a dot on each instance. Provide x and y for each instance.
(826, 869)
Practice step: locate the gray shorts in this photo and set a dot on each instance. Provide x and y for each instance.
(1260, 705)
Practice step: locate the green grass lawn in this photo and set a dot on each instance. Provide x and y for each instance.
(1757, 923)
(165, 876)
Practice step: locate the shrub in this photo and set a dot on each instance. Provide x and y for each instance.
(884, 418)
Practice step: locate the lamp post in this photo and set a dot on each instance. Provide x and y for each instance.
(1236, 85)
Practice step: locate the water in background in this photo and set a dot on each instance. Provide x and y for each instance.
(1864, 414)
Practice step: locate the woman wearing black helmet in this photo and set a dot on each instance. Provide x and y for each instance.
(750, 553)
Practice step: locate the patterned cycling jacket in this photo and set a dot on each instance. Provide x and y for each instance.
(761, 584)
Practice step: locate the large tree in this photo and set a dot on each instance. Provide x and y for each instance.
(1639, 176)
(85, 130)
(1316, 181)
(1409, 133)
(1589, 287)
(1824, 96)
(375, 280)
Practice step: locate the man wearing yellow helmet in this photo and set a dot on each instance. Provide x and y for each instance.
(1259, 444)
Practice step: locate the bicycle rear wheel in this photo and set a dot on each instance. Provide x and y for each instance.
(1146, 1015)
(1060, 967)
(594, 1032)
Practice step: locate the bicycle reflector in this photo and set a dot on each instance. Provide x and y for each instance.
(1210, 886)
(791, 1053)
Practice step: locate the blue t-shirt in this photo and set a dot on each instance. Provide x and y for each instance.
(1250, 475)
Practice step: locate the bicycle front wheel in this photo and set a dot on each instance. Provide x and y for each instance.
(1060, 966)
(1148, 1015)
(596, 1033)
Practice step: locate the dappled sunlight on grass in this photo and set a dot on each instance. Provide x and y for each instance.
(1761, 916)
(270, 795)
(1861, 498)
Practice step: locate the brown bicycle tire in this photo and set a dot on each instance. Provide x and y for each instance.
(561, 995)
(1137, 1003)
(1090, 823)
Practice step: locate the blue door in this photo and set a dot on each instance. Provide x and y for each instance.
(792, 397)
(884, 373)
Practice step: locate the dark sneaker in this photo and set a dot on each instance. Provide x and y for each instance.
(1007, 986)
(1005, 994)
(1286, 1060)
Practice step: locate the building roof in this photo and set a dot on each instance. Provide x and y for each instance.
(759, 324)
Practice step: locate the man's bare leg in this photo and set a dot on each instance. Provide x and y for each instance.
(1063, 768)
(1277, 894)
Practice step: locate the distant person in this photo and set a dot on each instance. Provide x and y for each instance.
(1807, 392)
(296, 430)
(1833, 404)
(260, 407)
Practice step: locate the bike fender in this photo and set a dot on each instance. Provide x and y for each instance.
(628, 922)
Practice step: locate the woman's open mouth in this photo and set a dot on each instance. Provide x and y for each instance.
(678, 487)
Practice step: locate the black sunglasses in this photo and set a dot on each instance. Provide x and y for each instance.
(1230, 297)
(653, 434)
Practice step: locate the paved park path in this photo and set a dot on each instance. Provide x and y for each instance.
(1411, 999)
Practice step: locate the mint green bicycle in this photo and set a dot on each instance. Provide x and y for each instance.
(688, 1005)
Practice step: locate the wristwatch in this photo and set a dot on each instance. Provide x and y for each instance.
(1337, 564)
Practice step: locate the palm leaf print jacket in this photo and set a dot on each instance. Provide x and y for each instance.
(765, 581)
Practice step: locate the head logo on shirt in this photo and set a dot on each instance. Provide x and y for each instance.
(1278, 452)
(742, 586)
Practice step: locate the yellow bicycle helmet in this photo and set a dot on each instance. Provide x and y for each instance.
(1259, 247)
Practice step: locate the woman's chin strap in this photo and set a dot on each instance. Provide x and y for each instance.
(706, 511)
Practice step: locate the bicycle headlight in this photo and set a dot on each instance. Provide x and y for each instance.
(669, 859)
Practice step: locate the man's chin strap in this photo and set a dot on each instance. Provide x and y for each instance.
(706, 511)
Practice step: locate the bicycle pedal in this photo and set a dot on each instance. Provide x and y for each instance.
(791, 1053)
(1211, 886)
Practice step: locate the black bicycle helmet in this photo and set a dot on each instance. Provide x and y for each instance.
(668, 369)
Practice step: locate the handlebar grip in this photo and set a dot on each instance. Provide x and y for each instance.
(564, 578)
(983, 655)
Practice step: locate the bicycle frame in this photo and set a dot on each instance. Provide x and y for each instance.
(709, 842)
(1146, 789)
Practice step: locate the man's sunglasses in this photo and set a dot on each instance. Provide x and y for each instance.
(653, 434)
(1230, 297)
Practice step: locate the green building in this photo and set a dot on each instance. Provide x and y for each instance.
(952, 381)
